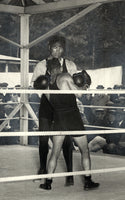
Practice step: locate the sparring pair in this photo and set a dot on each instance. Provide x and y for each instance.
(60, 112)
(67, 118)
(56, 48)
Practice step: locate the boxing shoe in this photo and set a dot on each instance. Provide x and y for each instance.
(89, 184)
(46, 185)
(69, 181)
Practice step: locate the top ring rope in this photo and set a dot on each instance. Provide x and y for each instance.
(90, 91)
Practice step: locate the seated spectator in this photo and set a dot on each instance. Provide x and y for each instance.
(100, 87)
(110, 103)
(16, 96)
(110, 118)
(120, 118)
(2, 116)
(2, 110)
(114, 97)
(96, 141)
(109, 88)
(99, 117)
(13, 124)
(111, 143)
(4, 85)
(120, 101)
(99, 99)
(114, 119)
(121, 124)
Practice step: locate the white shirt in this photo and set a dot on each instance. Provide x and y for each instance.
(40, 68)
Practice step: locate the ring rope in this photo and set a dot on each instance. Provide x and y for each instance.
(93, 106)
(62, 174)
(89, 91)
(86, 106)
(102, 127)
(61, 133)
(86, 125)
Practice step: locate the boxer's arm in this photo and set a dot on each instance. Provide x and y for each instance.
(39, 70)
(65, 82)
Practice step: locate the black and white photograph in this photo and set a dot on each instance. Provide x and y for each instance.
(62, 99)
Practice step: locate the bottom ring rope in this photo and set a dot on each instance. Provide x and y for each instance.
(36, 177)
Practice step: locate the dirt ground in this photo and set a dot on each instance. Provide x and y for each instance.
(17, 160)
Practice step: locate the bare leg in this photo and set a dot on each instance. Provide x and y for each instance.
(57, 145)
(85, 161)
(52, 163)
(83, 147)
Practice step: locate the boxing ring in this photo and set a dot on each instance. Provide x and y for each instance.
(21, 163)
(25, 109)
(50, 133)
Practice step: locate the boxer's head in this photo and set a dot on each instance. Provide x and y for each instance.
(57, 46)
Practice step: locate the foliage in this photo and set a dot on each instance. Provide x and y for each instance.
(96, 40)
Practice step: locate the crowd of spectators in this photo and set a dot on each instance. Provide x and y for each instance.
(111, 114)
(8, 101)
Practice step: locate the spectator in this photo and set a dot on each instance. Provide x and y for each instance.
(114, 97)
(114, 120)
(99, 99)
(96, 141)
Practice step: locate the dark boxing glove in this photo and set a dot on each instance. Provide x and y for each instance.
(82, 78)
(42, 82)
(78, 79)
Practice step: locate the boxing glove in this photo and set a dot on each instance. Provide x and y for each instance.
(78, 79)
(42, 82)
